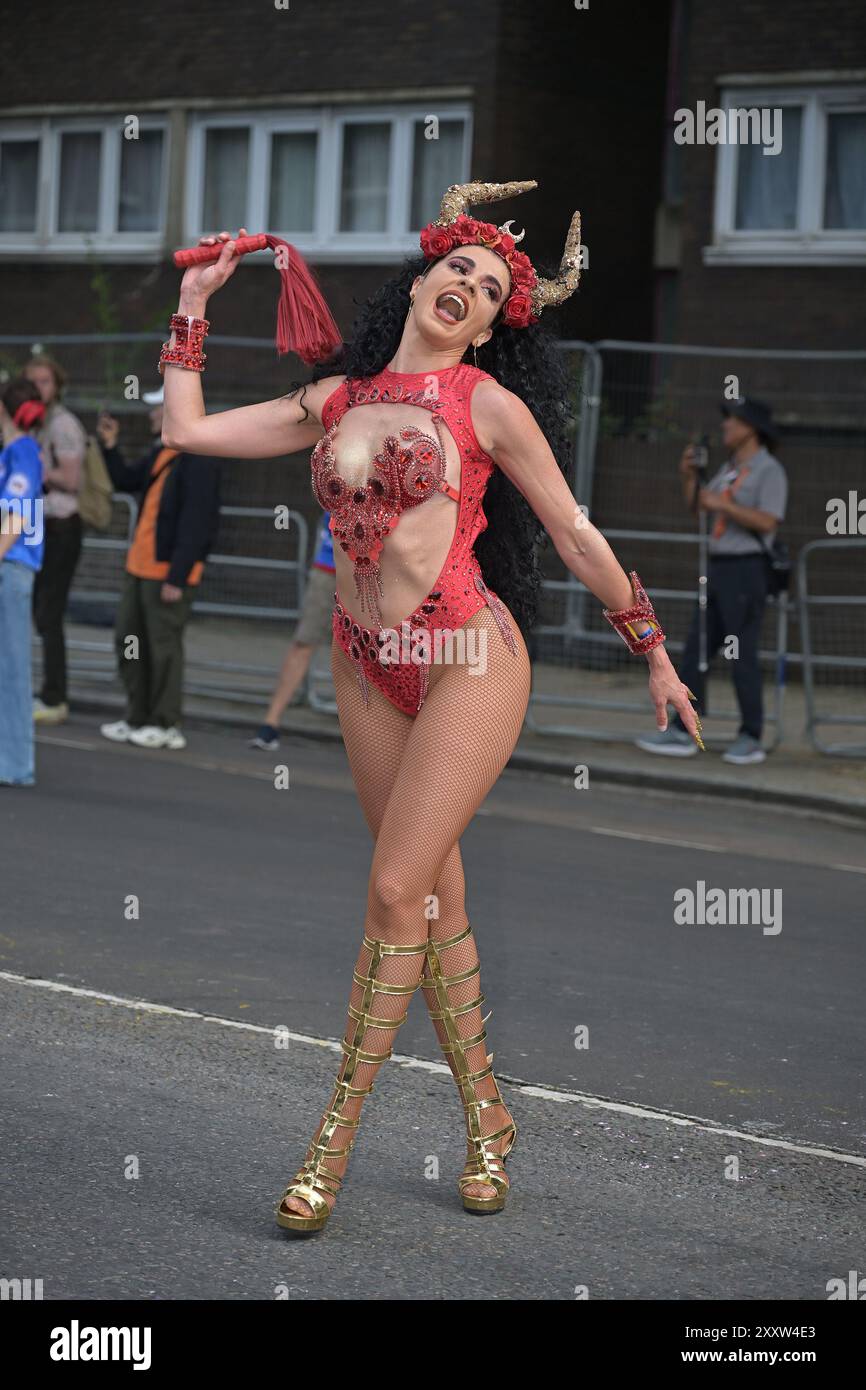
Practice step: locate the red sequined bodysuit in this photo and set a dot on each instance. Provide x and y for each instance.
(407, 469)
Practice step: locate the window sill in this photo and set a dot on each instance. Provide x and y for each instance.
(793, 251)
(74, 251)
(339, 251)
(133, 252)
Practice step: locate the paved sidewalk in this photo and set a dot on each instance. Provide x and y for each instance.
(601, 739)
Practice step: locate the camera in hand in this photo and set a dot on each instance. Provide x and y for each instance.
(701, 456)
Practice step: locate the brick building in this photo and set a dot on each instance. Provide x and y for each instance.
(311, 121)
(766, 250)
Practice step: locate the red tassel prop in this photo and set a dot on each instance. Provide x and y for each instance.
(305, 324)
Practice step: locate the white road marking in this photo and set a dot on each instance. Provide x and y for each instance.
(525, 1088)
(67, 743)
(848, 868)
(657, 839)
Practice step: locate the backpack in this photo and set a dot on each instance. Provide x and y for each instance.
(94, 497)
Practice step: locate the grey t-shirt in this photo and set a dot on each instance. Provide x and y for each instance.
(62, 433)
(762, 483)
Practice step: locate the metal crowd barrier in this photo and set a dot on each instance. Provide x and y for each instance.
(586, 434)
(636, 403)
(574, 628)
(94, 660)
(825, 605)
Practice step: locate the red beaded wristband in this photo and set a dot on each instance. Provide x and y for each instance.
(180, 357)
(188, 326)
(189, 336)
(641, 610)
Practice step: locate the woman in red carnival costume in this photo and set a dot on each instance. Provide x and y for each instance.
(441, 478)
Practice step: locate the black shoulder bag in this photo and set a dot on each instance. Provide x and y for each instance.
(777, 564)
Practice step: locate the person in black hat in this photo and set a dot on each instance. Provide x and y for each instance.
(746, 501)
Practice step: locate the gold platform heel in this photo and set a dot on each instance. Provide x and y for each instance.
(483, 1167)
(313, 1178)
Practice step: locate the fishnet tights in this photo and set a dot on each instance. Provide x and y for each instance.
(419, 782)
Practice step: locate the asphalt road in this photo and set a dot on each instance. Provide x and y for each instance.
(164, 1138)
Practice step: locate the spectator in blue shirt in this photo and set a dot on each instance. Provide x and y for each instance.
(21, 550)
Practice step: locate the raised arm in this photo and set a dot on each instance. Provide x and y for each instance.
(271, 428)
(507, 430)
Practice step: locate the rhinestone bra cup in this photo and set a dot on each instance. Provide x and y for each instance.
(408, 470)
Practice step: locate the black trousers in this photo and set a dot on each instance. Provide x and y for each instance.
(736, 596)
(50, 592)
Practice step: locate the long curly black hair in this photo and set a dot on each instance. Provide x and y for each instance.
(525, 361)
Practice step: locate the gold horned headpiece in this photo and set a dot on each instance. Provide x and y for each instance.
(530, 293)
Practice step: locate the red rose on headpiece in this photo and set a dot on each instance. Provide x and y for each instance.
(506, 244)
(522, 272)
(489, 235)
(436, 241)
(467, 228)
(518, 310)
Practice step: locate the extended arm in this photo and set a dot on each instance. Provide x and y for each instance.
(260, 431)
(507, 430)
(126, 477)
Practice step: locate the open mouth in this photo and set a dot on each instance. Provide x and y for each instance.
(452, 306)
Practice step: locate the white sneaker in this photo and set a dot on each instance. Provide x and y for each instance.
(148, 736)
(49, 714)
(118, 732)
(152, 736)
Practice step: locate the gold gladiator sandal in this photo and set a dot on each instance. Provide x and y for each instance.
(313, 1178)
(483, 1167)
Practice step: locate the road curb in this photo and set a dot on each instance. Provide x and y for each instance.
(626, 775)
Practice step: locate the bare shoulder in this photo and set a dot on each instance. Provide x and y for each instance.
(495, 410)
(314, 394)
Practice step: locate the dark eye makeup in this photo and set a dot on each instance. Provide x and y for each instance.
(493, 290)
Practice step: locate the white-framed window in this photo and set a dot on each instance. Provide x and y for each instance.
(805, 204)
(74, 185)
(340, 183)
